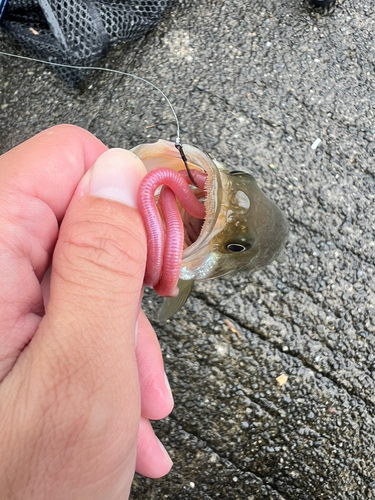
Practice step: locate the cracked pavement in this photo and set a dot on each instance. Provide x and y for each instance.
(255, 84)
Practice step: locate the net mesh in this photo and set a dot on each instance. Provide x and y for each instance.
(78, 32)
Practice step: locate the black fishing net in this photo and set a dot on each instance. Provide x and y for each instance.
(78, 32)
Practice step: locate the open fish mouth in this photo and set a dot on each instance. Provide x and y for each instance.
(192, 225)
(197, 232)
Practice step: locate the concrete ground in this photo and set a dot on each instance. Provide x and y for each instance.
(255, 83)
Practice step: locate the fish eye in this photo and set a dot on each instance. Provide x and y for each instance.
(237, 247)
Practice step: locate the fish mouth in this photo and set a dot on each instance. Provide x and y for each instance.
(200, 232)
(197, 232)
(192, 226)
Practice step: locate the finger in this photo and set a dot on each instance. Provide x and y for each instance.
(82, 378)
(99, 259)
(152, 458)
(37, 181)
(156, 395)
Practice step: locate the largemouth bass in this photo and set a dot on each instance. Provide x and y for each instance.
(242, 228)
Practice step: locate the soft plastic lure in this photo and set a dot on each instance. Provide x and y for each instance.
(166, 241)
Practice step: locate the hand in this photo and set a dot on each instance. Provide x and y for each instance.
(76, 385)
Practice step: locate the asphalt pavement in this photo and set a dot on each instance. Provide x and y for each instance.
(287, 93)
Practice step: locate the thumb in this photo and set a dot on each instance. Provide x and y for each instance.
(85, 345)
(99, 259)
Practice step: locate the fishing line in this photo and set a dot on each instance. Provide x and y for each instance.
(108, 70)
(117, 72)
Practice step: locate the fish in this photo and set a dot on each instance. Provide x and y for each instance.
(242, 229)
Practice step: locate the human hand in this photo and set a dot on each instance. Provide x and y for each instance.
(76, 386)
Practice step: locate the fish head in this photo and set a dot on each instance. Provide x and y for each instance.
(243, 228)
(253, 230)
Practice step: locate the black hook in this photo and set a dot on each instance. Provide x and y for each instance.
(179, 148)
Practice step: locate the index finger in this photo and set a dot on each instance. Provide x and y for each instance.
(49, 165)
(37, 181)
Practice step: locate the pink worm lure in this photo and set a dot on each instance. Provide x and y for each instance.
(165, 241)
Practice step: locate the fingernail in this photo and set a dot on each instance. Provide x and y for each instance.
(165, 453)
(116, 175)
(167, 385)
